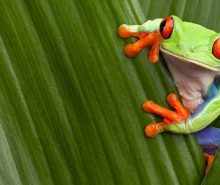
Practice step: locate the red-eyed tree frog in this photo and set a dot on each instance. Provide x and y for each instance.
(192, 54)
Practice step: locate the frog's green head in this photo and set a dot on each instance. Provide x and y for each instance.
(190, 41)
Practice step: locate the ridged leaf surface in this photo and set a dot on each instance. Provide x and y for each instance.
(70, 101)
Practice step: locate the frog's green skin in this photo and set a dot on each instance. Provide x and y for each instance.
(188, 54)
(193, 42)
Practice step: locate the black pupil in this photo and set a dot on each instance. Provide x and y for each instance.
(162, 25)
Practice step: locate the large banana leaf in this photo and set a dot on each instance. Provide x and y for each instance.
(70, 100)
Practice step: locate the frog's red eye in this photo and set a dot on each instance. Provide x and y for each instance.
(216, 48)
(166, 27)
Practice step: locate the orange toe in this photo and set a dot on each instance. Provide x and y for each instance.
(174, 102)
(209, 159)
(153, 129)
(131, 50)
(153, 53)
(123, 32)
(172, 98)
(148, 106)
(153, 56)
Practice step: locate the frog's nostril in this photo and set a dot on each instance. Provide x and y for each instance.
(192, 49)
(178, 45)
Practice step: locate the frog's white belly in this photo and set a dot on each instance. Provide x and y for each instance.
(191, 80)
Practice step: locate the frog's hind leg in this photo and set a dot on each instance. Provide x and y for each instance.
(209, 159)
(209, 140)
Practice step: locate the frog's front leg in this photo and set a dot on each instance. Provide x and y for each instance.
(179, 114)
(148, 35)
(207, 112)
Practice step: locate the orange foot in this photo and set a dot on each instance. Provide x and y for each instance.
(209, 159)
(145, 39)
(179, 114)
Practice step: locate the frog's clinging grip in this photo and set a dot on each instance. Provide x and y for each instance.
(170, 116)
(148, 35)
(201, 118)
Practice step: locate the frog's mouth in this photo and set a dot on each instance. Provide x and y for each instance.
(187, 60)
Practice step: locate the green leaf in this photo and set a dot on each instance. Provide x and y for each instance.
(70, 100)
